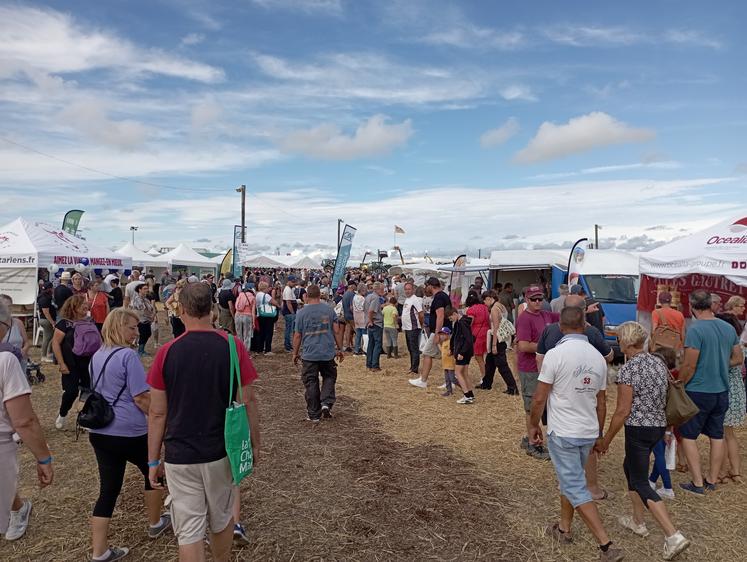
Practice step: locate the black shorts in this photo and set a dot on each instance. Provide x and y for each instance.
(464, 360)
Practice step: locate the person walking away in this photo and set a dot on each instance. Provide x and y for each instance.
(226, 306)
(437, 319)
(267, 312)
(174, 309)
(146, 311)
(551, 336)
(118, 375)
(374, 325)
(246, 314)
(529, 328)
(98, 303)
(641, 408)
(63, 291)
(289, 311)
(711, 348)
(47, 320)
(17, 415)
(478, 311)
(115, 295)
(501, 333)
(317, 342)
(731, 467)
(359, 317)
(16, 334)
(462, 349)
(191, 374)
(506, 298)
(667, 319)
(412, 325)
(73, 366)
(391, 317)
(573, 385)
(347, 312)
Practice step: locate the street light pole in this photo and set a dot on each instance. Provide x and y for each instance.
(242, 190)
(339, 241)
(133, 229)
(597, 228)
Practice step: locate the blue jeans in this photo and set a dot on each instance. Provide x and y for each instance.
(569, 456)
(358, 339)
(373, 351)
(660, 466)
(290, 320)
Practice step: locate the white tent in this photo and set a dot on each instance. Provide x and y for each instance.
(26, 246)
(185, 256)
(720, 250)
(508, 260)
(153, 252)
(306, 263)
(141, 258)
(262, 262)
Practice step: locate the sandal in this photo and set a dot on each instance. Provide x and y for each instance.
(605, 496)
(736, 478)
(682, 468)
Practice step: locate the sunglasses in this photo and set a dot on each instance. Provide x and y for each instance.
(537, 299)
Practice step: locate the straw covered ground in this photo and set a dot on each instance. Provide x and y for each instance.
(398, 474)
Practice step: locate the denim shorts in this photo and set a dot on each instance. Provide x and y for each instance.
(569, 456)
(709, 420)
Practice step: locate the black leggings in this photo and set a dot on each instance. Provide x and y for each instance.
(72, 383)
(112, 455)
(499, 360)
(145, 332)
(177, 326)
(639, 444)
(266, 327)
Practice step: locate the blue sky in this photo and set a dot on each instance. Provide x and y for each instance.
(470, 124)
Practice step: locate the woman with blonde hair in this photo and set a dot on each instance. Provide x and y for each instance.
(73, 367)
(118, 375)
(641, 401)
(174, 309)
(731, 467)
(267, 312)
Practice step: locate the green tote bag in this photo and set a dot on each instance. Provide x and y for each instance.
(236, 429)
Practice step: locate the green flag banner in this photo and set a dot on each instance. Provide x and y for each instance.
(71, 221)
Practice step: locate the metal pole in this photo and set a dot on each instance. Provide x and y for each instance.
(242, 190)
(339, 241)
(596, 236)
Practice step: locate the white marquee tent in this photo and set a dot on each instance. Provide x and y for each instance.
(141, 258)
(153, 252)
(262, 262)
(305, 262)
(27, 246)
(185, 256)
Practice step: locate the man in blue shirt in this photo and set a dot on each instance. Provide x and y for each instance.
(711, 347)
(316, 342)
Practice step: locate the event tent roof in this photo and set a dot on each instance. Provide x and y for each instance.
(262, 261)
(184, 255)
(527, 259)
(153, 252)
(718, 250)
(306, 263)
(35, 244)
(141, 258)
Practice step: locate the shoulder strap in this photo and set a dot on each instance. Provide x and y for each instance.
(103, 369)
(661, 318)
(235, 369)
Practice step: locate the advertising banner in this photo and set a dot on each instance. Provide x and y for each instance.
(681, 287)
(455, 285)
(239, 250)
(343, 254)
(575, 262)
(71, 221)
(19, 283)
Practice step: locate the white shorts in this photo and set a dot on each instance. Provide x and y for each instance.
(432, 349)
(200, 492)
(8, 481)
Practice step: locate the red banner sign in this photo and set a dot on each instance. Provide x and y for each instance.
(686, 285)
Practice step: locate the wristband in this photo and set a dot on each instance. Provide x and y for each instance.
(154, 464)
(48, 460)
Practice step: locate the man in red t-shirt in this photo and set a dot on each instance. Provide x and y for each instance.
(669, 316)
(189, 382)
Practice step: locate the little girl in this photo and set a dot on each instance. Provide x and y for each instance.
(669, 356)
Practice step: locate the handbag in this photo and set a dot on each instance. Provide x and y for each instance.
(680, 408)
(96, 412)
(423, 342)
(266, 310)
(506, 331)
(236, 434)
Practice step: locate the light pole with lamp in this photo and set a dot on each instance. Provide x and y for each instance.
(133, 229)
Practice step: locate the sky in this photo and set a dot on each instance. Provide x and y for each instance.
(472, 125)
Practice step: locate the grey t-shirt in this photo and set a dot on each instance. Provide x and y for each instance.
(372, 303)
(315, 323)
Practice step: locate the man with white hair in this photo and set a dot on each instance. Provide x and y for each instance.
(557, 304)
(131, 286)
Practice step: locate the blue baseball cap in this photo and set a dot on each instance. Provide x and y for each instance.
(445, 330)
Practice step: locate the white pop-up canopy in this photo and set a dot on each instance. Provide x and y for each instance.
(153, 252)
(262, 262)
(26, 246)
(306, 263)
(141, 258)
(718, 250)
(184, 255)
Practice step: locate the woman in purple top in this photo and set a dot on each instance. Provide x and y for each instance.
(118, 375)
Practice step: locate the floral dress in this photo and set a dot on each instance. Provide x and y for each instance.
(737, 404)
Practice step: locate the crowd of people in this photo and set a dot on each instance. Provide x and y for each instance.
(98, 332)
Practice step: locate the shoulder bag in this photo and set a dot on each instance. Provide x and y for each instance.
(236, 428)
(96, 412)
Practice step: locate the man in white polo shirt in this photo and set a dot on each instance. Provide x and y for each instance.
(573, 383)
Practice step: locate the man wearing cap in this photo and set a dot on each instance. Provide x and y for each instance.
(529, 328)
(290, 306)
(436, 320)
(668, 316)
(63, 291)
(594, 315)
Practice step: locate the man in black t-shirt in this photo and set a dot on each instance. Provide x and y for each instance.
(226, 306)
(596, 316)
(63, 291)
(47, 319)
(436, 320)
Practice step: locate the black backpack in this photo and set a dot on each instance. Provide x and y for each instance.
(96, 412)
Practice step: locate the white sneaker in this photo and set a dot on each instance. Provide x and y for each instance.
(59, 423)
(466, 400)
(420, 383)
(674, 545)
(666, 493)
(19, 521)
(442, 387)
(652, 484)
(627, 522)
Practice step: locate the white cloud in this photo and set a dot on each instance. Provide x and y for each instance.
(591, 35)
(34, 39)
(372, 138)
(206, 113)
(333, 7)
(193, 39)
(500, 135)
(580, 134)
(90, 117)
(466, 35)
(691, 37)
(518, 92)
